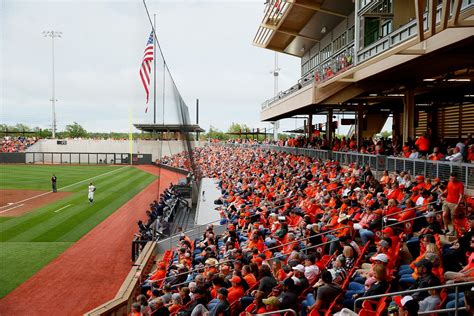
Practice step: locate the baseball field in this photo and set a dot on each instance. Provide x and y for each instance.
(37, 225)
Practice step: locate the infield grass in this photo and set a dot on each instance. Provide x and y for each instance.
(30, 241)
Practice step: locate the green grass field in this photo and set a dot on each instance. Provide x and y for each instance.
(29, 242)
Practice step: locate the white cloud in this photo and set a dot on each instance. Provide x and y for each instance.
(207, 45)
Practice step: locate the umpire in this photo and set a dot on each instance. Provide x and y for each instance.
(53, 183)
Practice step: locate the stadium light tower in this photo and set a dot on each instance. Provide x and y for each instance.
(53, 34)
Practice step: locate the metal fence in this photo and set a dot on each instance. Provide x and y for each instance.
(74, 158)
(428, 168)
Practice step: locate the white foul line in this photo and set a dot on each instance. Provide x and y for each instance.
(62, 208)
(67, 186)
(9, 209)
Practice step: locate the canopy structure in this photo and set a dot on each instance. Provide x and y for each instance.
(169, 128)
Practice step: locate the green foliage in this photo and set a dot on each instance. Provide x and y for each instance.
(386, 134)
(75, 130)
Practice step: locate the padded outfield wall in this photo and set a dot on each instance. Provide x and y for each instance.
(157, 149)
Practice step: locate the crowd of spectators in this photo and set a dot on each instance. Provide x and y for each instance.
(315, 236)
(423, 147)
(160, 215)
(13, 144)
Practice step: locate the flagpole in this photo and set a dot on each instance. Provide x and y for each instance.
(154, 70)
(130, 135)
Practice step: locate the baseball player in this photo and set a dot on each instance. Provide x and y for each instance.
(91, 193)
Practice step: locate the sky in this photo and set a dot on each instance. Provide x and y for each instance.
(207, 46)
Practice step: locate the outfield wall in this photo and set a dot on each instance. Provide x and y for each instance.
(153, 147)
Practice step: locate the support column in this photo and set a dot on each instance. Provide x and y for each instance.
(359, 126)
(310, 126)
(329, 128)
(408, 116)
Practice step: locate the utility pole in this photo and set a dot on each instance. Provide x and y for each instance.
(53, 100)
(276, 73)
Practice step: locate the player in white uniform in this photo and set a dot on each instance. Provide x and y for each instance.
(91, 193)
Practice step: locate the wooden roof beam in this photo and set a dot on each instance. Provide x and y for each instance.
(317, 7)
(419, 10)
(289, 32)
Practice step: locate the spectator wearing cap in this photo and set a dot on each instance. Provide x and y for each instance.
(221, 308)
(380, 286)
(326, 292)
(407, 306)
(413, 244)
(288, 297)
(454, 194)
(272, 304)
(236, 291)
(408, 274)
(302, 282)
(425, 277)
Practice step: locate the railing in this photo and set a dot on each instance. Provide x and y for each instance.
(440, 287)
(278, 312)
(427, 168)
(343, 59)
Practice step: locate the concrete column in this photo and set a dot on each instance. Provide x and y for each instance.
(359, 126)
(408, 115)
(329, 127)
(396, 124)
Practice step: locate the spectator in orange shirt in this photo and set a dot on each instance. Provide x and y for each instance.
(423, 144)
(248, 276)
(454, 194)
(236, 291)
(435, 155)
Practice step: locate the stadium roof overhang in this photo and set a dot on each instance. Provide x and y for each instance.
(169, 128)
(440, 69)
(293, 26)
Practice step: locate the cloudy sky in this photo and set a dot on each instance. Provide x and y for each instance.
(207, 46)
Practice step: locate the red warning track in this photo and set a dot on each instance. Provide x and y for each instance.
(92, 270)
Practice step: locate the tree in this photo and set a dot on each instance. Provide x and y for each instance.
(75, 130)
(215, 133)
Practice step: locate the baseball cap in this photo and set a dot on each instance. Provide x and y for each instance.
(401, 301)
(272, 300)
(430, 214)
(381, 257)
(388, 231)
(299, 268)
(235, 279)
(223, 291)
(424, 263)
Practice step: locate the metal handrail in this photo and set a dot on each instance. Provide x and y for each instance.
(385, 218)
(288, 310)
(296, 240)
(232, 260)
(410, 219)
(439, 287)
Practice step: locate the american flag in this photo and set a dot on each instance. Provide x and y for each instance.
(145, 70)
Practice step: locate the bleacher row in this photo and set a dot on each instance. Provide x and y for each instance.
(305, 220)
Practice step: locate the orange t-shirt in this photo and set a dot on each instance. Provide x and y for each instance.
(235, 293)
(423, 143)
(250, 279)
(455, 190)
